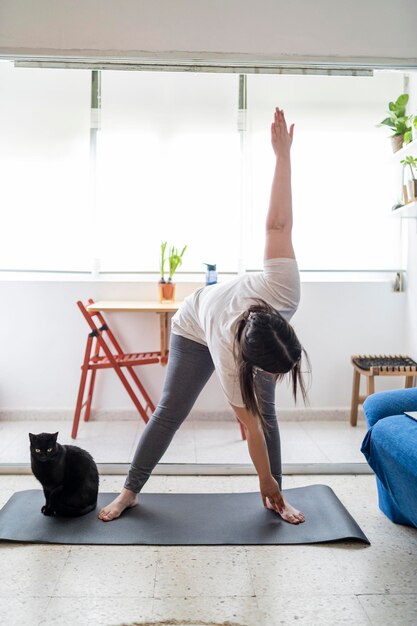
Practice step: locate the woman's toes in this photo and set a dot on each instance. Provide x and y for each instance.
(104, 515)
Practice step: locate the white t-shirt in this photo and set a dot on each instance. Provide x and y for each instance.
(210, 315)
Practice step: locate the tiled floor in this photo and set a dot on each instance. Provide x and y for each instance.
(197, 441)
(255, 586)
(311, 585)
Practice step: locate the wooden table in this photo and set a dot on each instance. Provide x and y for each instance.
(143, 306)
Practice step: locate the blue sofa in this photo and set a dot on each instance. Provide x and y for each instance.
(390, 447)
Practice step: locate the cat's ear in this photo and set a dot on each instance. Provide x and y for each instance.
(31, 436)
(55, 436)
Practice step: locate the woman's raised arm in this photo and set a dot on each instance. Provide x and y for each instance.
(278, 241)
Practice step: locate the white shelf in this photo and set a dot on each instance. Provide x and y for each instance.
(410, 148)
(408, 210)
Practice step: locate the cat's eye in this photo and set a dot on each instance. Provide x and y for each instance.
(37, 450)
(49, 450)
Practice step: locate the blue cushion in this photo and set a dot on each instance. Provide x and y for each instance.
(385, 403)
(390, 447)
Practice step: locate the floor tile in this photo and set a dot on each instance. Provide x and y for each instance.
(126, 571)
(236, 610)
(311, 610)
(390, 609)
(379, 569)
(202, 571)
(103, 611)
(298, 447)
(281, 569)
(23, 611)
(30, 570)
(197, 484)
(108, 442)
(18, 482)
(242, 484)
(339, 441)
(5, 496)
(114, 484)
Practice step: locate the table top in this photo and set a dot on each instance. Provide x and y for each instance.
(135, 305)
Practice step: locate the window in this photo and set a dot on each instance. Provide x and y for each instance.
(169, 166)
(343, 177)
(44, 163)
(168, 169)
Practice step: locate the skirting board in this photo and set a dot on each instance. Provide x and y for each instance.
(339, 414)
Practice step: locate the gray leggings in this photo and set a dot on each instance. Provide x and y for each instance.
(189, 368)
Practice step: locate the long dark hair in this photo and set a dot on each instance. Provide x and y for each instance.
(265, 340)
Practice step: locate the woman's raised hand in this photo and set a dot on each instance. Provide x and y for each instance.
(281, 139)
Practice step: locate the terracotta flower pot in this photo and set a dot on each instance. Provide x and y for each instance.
(166, 292)
(397, 142)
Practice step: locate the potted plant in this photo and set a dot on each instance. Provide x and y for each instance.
(412, 163)
(399, 122)
(174, 258)
(414, 128)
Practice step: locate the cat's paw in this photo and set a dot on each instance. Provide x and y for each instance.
(47, 510)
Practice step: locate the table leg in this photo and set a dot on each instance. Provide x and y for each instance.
(163, 324)
(355, 398)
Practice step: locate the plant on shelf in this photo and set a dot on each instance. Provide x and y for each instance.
(414, 127)
(412, 163)
(399, 122)
(174, 259)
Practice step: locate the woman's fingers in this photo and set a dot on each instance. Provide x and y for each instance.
(276, 503)
(284, 123)
(279, 120)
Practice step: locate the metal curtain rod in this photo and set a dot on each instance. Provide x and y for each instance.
(232, 68)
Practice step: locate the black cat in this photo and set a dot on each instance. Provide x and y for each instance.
(68, 475)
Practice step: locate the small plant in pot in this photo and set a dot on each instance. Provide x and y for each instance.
(174, 259)
(412, 164)
(399, 122)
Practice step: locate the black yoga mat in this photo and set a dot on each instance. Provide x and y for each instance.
(174, 519)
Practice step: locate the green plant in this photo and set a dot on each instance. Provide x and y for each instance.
(411, 162)
(174, 261)
(397, 119)
(162, 261)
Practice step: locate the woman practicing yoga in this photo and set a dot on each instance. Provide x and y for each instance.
(241, 330)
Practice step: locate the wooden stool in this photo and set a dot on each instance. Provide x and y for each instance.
(382, 365)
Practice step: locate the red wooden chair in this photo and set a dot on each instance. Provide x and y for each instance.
(103, 352)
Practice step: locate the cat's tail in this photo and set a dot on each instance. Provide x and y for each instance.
(71, 511)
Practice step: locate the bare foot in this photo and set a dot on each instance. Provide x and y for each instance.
(126, 500)
(289, 513)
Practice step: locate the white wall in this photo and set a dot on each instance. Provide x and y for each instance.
(42, 339)
(410, 226)
(218, 29)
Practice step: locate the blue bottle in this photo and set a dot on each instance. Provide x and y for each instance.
(211, 274)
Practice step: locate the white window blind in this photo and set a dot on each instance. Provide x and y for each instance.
(44, 166)
(343, 176)
(169, 168)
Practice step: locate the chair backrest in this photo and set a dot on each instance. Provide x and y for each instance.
(99, 326)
